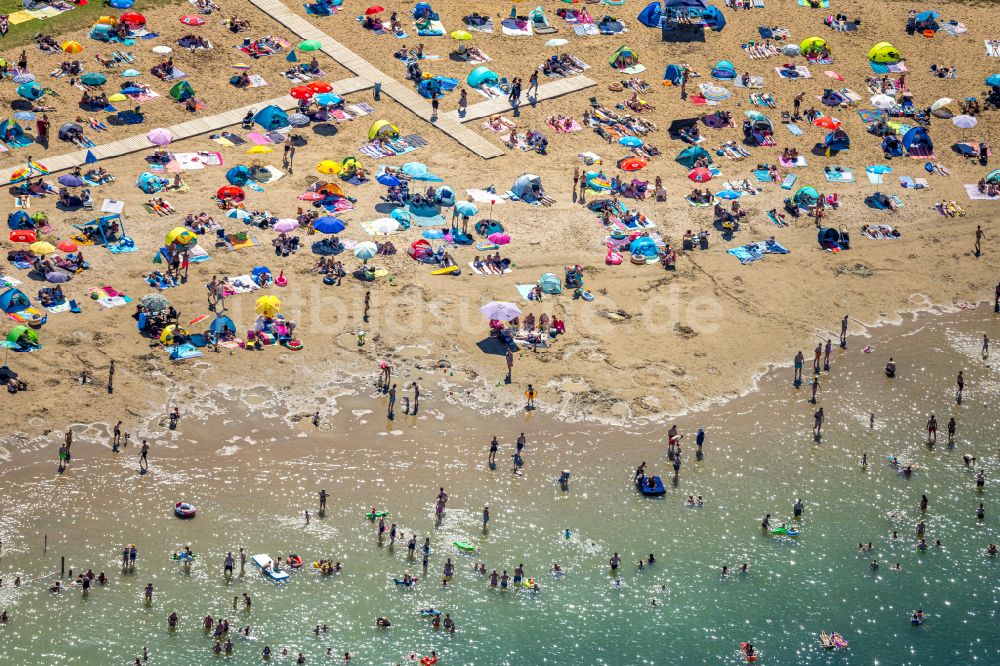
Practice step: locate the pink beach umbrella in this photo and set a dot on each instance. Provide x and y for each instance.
(499, 238)
(159, 136)
(285, 225)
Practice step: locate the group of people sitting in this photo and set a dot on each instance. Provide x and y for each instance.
(200, 223)
(205, 6)
(331, 267)
(699, 197)
(68, 200)
(491, 265)
(562, 65)
(51, 296)
(989, 188)
(68, 68)
(692, 240)
(192, 41)
(236, 24)
(285, 245)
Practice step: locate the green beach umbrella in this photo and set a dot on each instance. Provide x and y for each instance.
(93, 79)
(310, 45)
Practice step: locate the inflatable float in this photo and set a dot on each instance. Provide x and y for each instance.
(644, 487)
(372, 515)
(428, 661)
(747, 651)
(289, 343)
(447, 270)
(182, 556)
(403, 583)
(430, 612)
(785, 531)
(464, 546)
(838, 640)
(185, 510)
(265, 564)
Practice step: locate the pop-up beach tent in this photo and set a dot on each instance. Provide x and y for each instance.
(271, 118)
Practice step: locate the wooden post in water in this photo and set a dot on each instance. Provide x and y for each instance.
(62, 566)
(45, 544)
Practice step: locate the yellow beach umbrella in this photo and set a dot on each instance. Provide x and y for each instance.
(108, 20)
(72, 47)
(260, 150)
(461, 35)
(117, 97)
(42, 248)
(268, 306)
(181, 236)
(329, 166)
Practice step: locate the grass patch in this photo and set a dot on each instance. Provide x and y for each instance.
(71, 21)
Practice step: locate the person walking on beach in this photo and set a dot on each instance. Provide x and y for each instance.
(818, 422)
(368, 304)
(826, 354)
(111, 377)
(843, 332)
(392, 400)
(979, 236)
(533, 83)
(386, 375)
(996, 298)
(932, 430)
(463, 102)
(817, 355)
(797, 104)
(814, 389)
(952, 426)
(530, 394)
(144, 456)
(491, 459)
(960, 385)
(322, 500)
(435, 103)
(227, 567)
(799, 359)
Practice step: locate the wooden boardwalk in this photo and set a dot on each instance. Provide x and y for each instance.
(499, 105)
(187, 129)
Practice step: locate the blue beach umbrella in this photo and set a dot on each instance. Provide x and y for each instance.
(993, 80)
(327, 99)
(728, 194)
(238, 214)
(122, 4)
(131, 73)
(466, 208)
(329, 225)
(630, 141)
(879, 168)
(433, 234)
(389, 180)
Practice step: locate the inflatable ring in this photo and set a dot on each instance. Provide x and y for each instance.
(294, 345)
(329, 280)
(295, 561)
(638, 260)
(185, 510)
(587, 295)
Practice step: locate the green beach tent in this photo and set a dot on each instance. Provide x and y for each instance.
(182, 90)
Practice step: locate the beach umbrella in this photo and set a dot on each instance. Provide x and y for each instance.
(826, 122)
(883, 102)
(162, 49)
(388, 180)
(107, 20)
(267, 305)
(700, 175)
(197, 320)
(327, 99)
(879, 168)
(301, 92)
(499, 238)
(181, 236)
(329, 225)
(432, 234)
(30, 91)
(159, 136)
(24, 116)
(71, 46)
(630, 141)
(466, 208)
(117, 97)
(500, 310)
(384, 225)
(154, 303)
(238, 214)
(310, 45)
(964, 122)
(753, 114)
(461, 35)
(68, 246)
(728, 194)
(365, 250)
(632, 163)
(319, 86)
(374, 9)
(42, 248)
(298, 120)
(941, 103)
(130, 73)
(23, 236)
(231, 192)
(260, 150)
(714, 93)
(69, 180)
(56, 277)
(93, 79)
(329, 166)
(833, 75)
(557, 42)
(133, 19)
(122, 4)
(24, 77)
(284, 225)
(192, 20)
(132, 90)
(993, 80)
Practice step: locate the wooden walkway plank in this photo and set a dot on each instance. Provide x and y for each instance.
(546, 91)
(180, 131)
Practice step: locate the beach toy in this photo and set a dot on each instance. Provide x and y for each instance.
(372, 515)
(587, 295)
(403, 583)
(447, 270)
(430, 612)
(464, 546)
(185, 510)
(428, 661)
(182, 556)
(281, 281)
(265, 564)
(294, 345)
(744, 648)
(643, 484)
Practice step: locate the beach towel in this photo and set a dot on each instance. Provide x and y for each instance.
(241, 284)
(586, 29)
(762, 175)
(182, 352)
(875, 178)
(361, 109)
(800, 72)
(484, 196)
(954, 28)
(885, 232)
(500, 125)
(820, 4)
(233, 138)
(992, 47)
(256, 81)
(8, 281)
(434, 29)
(794, 129)
(911, 183)
(789, 181)
(479, 272)
(799, 161)
(236, 244)
(524, 289)
(516, 28)
(754, 251)
(756, 82)
(114, 301)
(25, 315)
(258, 139)
(842, 175)
(973, 191)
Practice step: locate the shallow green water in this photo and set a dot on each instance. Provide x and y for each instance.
(251, 485)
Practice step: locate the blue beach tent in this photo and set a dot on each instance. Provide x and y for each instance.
(271, 118)
(651, 15)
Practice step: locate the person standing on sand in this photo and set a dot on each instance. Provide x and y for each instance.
(932, 430)
(416, 397)
(368, 304)
(843, 332)
(144, 455)
(818, 422)
(817, 355)
(996, 298)
(491, 459)
(392, 400)
(463, 102)
(435, 103)
(826, 354)
(533, 83)
(111, 377)
(799, 360)
(979, 236)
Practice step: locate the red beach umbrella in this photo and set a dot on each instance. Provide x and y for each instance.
(132, 18)
(632, 163)
(826, 122)
(319, 87)
(23, 236)
(192, 19)
(301, 92)
(700, 175)
(374, 9)
(311, 196)
(68, 246)
(232, 193)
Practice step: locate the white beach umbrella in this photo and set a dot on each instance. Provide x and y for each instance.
(500, 310)
(557, 42)
(941, 103)
(162, 49)
(964, 121)
(384, 225)
(883, 102)
(365, 250)
(285, 225)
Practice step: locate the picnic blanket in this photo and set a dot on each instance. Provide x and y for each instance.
(800, 72)
(516, 28)
(241, 284)
(839, 175)
(992, 47)
(753, 251)
(973, 191)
